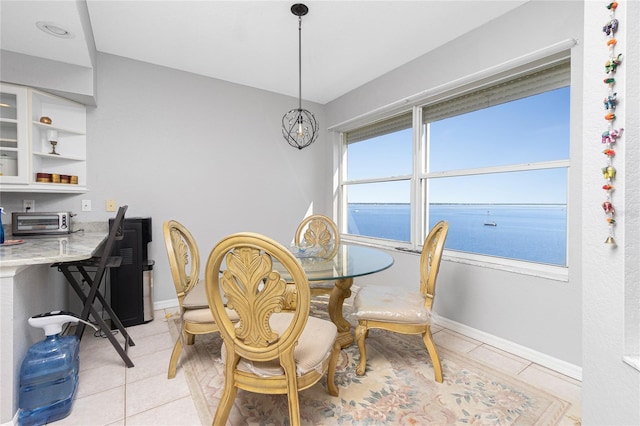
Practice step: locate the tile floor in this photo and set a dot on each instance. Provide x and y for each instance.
(111, 394)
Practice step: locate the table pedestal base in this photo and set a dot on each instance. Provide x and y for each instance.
(340, 292)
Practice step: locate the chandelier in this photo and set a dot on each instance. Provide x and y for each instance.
(299, 126)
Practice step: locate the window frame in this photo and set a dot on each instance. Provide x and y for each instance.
(420, 175)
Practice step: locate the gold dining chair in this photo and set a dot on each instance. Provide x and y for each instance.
(319, 232)
(184, 260)
(384, 308)
(269, 350)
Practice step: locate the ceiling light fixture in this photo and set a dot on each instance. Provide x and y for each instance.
(299, 126)
(54, 30)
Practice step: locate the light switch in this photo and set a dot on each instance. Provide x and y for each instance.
(111, 205)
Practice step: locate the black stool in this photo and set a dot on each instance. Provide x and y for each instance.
(102, 260)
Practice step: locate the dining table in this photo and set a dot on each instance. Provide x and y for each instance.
(351, 261)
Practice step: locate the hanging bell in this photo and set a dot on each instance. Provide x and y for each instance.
(610, 240)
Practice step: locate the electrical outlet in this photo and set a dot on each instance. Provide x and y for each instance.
(111, 205)
(86, 205)
(28, 205)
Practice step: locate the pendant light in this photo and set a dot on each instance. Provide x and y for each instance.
(299, 126)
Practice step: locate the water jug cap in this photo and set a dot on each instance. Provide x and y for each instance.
(53, 321)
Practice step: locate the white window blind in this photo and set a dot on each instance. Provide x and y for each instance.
(553, 77)
(379, 128)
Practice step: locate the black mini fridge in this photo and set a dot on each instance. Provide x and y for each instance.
(132, 283)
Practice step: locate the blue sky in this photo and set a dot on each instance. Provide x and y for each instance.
(532, 129)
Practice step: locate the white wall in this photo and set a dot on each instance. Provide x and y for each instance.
(611, 308)
(540, 314)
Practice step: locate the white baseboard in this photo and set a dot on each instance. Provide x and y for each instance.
(539, 358)
(165, 304)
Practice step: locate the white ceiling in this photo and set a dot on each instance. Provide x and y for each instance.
(255, 43)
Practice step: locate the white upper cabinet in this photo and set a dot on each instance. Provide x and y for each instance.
(50, 148)
(14, 135)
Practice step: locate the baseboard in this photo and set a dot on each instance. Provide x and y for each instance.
(539, 358)
(165, 304)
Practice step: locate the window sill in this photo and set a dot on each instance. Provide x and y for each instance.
(540, 270)
(551, 272)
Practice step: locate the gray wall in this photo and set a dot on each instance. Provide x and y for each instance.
(548, 316)
(520, 305)
(209, 153)
(175, 145)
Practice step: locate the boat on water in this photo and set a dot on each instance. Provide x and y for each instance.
(488, 221)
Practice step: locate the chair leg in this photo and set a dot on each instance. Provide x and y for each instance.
(361, 334)
(431, 348)
(228, 395)
(289, 366)
(331, 372)
(175, 356)
(191, 338)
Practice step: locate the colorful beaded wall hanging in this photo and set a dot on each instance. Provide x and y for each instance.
(610, 135)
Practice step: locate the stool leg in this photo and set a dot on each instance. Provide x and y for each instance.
(88, 309)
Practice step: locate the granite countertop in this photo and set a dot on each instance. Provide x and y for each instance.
(50, 249)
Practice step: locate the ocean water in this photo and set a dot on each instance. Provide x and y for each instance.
(535, 233)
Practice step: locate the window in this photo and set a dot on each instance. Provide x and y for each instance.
(491, 159)
(379, 172)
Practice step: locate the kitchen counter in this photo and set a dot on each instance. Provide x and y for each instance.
(50, 249)
(29, 286)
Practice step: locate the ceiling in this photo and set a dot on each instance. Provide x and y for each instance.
(344, 43)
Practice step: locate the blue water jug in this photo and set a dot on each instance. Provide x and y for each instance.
(49, 372)
(1, 226)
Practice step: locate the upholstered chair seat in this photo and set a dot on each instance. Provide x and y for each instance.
(384, 304)
(312, 352)
(196, 298)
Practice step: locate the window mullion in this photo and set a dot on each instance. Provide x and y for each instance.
(498, 169)
(418, 211)
(377, 180)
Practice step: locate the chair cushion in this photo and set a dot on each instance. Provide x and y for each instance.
(204, 315)
(314, 347)
(390, 305)
(196, 298)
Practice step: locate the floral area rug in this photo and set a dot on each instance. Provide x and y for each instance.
(398, 388)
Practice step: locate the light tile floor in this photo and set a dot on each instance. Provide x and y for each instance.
(111, 394)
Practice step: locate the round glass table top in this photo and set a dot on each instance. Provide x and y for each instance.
(350, 261)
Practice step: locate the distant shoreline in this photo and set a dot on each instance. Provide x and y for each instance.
(465, 204)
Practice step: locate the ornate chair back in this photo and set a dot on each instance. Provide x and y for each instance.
(430, 261)
(319, 231)
(267, 350)
(184, 258)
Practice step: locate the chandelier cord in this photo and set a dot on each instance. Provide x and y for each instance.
(299, 62)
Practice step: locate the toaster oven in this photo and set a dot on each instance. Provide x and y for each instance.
(33, 223)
